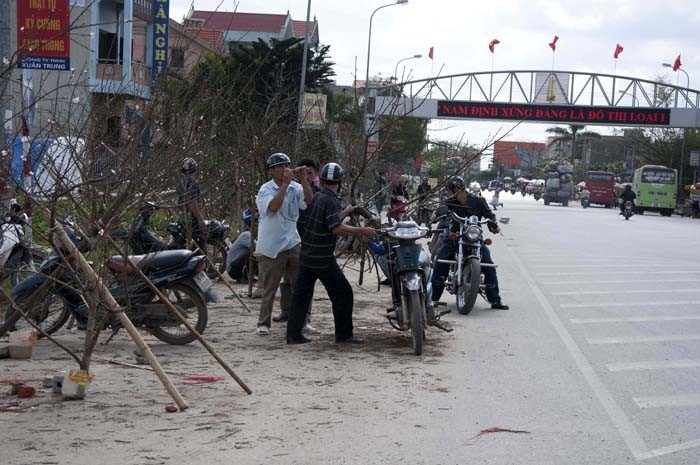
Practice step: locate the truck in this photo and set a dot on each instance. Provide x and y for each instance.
(559, 185)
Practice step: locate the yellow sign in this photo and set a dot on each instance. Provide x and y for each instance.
(314, 111)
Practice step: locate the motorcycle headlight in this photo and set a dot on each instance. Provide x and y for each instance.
(408, 233)
(473, 233)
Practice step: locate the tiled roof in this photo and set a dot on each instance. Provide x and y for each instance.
(227, 21)
(299, 28)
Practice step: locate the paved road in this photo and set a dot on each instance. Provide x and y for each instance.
(607, 314)
(598, 362)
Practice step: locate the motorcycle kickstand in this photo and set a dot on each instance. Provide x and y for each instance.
(114, 333)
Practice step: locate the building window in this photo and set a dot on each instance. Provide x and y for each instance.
(108, 50)
(177, 58)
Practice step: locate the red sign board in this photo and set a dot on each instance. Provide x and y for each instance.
(555, 113)
(371, 147)
(43, 38)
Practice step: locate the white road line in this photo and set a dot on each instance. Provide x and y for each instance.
(633, 319)
(686, 400)
(622, 281)
(656, 365)
(627, 430)
(627, 291)
(642, 339)
(631, 304)
(598, 266)
(603, 272)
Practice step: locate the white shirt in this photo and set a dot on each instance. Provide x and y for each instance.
(278, 230)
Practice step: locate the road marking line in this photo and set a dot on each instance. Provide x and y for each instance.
(633, 319)
(631, 304)
(662, 365)
(622, 281)
(684, 400)
(627, 430)
(655, 265)
(602, 272)
(642, 339)
(626, 291)
(671, 449)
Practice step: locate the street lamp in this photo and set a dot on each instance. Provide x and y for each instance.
(687, 86)
(396, 68)
(634, 97)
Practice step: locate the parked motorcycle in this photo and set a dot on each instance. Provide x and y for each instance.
(410, 271)
(465, 279)
(17, 257)
(180, 275)
(628, 211)
(142, 241)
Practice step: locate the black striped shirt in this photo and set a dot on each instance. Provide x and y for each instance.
(318, 242)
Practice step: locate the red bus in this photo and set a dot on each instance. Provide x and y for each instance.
(601, 185)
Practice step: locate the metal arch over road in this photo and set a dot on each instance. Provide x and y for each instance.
(563, 97)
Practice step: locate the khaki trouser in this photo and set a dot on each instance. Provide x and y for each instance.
(271, 272)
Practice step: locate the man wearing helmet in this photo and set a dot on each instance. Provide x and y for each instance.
(627, 195)
(465, 204)
(190, 203)
(323, 224)
(279, 201)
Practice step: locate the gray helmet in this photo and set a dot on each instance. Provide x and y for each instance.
(277, 159)
(189, 165)
(457, 183)
(331, 172)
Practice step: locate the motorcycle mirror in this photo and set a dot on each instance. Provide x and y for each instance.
(504, 220)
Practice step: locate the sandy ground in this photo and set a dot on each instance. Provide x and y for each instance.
(316, 403)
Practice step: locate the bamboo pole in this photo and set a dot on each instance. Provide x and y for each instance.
(107, 296)
(182, 319)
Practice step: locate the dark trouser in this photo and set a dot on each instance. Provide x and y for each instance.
(339, 291)
(447, 252)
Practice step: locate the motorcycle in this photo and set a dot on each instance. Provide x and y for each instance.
(142, 241)
(410, 271)
(53, 294)
(17, 257)
(465, 279)
(397, 212)
(627, 212)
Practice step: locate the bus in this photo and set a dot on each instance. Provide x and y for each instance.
(601, 185)
(656, 188)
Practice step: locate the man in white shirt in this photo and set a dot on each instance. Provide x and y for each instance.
(279, 201)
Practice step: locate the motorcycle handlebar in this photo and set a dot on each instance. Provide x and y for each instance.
(464, 220)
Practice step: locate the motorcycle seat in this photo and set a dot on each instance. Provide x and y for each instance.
(117, 264)
(163, 260)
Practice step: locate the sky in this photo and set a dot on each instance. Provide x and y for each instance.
(651, 32)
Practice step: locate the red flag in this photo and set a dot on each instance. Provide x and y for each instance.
(430, 53)
(618, 50)
(553, 43)
(492, 43)
(677, 63)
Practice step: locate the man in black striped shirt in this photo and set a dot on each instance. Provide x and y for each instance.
(323, 224)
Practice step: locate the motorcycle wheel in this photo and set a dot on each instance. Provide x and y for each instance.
(191, 306)
(50, 315)
(469, 287)
(417, 309)
(27, 267)
(216, 251)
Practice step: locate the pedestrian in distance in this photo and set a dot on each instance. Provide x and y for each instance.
(190, 203)
(277, 250)
(318, 262)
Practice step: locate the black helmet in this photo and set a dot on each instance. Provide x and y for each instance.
(628, 187)
(332, 173)
(456, 184)
(189, 166)
(277, 159)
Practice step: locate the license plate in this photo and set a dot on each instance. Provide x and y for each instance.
(202, 280)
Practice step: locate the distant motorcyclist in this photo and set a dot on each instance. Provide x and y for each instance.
(399, 197)
(627, 195)
(423, 188)
(464, 205)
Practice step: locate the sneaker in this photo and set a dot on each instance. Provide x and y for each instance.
(499, 306)
(308, 329)
(262, 330)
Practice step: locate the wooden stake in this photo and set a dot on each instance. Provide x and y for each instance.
(107, 297)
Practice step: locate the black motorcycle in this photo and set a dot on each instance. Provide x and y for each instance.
(465, 279)
(627, 211)
(142, 241)
(53, 295)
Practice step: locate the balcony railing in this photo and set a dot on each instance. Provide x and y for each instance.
(143, 9)
(113, 71)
